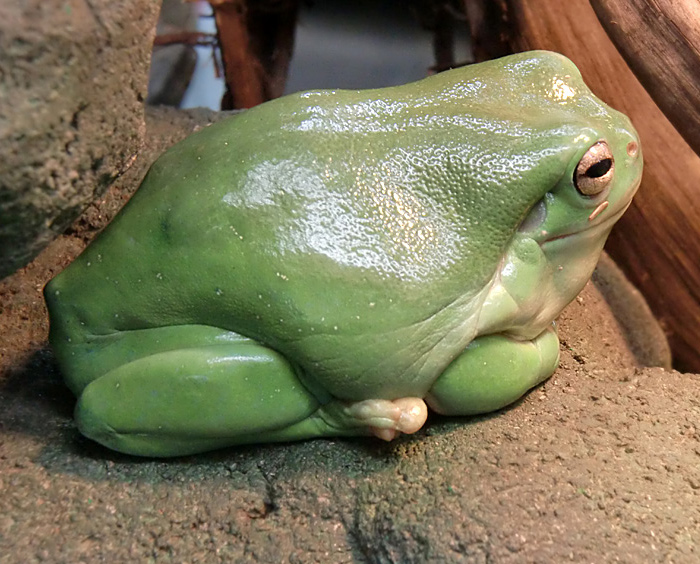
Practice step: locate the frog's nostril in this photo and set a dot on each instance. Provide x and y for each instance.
(632, 148)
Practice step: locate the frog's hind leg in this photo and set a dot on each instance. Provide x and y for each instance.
(192, 389)
(494, 371)
(194, 399)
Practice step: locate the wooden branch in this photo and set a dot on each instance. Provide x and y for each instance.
(272, 28)
(242, 71)
(660, 40)
(256, 39)
(443, 39)
(192, 38)
(657, 242)
(488, 26)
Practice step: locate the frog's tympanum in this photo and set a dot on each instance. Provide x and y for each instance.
(334, 263)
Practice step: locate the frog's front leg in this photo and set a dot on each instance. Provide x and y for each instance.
(205, 397)
(492, 372)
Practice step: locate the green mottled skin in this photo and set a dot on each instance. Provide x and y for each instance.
(358, 237)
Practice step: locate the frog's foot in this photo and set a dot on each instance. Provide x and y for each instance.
(386, 419)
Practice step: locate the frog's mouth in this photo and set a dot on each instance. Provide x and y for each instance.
(597, 223)
(594, 229)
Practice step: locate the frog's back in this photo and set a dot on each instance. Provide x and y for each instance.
(331, 223)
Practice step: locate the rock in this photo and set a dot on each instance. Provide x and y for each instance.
(73, 80)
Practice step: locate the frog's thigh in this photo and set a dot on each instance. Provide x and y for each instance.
(195, 399)
(91, 359)
(493, 372)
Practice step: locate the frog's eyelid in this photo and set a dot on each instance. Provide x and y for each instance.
(595, 170)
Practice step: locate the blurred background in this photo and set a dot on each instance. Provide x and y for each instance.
(336, 44)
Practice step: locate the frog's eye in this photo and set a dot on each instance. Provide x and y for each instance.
(594, 172)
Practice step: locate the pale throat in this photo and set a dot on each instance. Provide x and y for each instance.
(534, 283)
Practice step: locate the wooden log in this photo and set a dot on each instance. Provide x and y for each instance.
(272, 26)
(256, 40)
(657, 242)
(660, 40)
(488, 27)
(242, 71)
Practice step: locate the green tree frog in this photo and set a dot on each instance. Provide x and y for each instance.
(335, 263)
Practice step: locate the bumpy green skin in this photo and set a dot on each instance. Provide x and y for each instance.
(277, 270)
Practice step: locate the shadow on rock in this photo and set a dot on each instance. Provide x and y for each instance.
(338, 458)
(33, 399)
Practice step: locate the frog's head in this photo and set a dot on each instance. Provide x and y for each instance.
(586, 157)
(596, 188)
(604, 169)
(599, 172)
(573, 162)
(586, 167)
(544, 159)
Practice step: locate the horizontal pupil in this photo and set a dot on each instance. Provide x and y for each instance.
(599, 169)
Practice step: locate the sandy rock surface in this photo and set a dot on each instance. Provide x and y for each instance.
(599, 464)
(70, 121)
